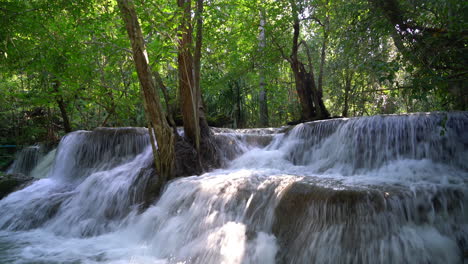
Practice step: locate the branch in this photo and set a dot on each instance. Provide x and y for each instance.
(315, 19)
(107, 43)
(280, 49)
(19, 13)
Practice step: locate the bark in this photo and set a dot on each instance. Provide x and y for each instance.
(62, 106)
(196, 126)
(157, 125)
(263, 93)
(303, 79)
(348, 78)
(170, 110)
(322, 111)
(188, 93)
(205, 131)
(197, 53)
(310, 94)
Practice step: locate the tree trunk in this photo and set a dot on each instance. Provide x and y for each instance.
(239, 117)
(348, 78)
(263, 93)
(62, 106)
(197, 53)
(195, 125)
(157, 125)
(310, 94)
(205, 131)
(187, 90)
(322, 111)
(170, 110)
(303, 82)
(303, 79)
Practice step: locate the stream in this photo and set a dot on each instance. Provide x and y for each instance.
(379, 189)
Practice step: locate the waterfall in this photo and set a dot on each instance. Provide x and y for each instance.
(381, 189)
(44, 165)
(26, 159)
(96, 179)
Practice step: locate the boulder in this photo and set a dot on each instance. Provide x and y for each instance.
(12, 182)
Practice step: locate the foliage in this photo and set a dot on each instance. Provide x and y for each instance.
(372, 65)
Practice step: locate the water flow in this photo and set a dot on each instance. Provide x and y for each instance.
(26, 160)
(384, 189)
(44, 165)
(95, 181)
(235, 142)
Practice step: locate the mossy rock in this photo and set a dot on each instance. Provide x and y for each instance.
(12, 182)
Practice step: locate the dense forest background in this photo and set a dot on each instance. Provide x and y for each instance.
(67, 65)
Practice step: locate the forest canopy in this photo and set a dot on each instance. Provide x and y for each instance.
(68, 65)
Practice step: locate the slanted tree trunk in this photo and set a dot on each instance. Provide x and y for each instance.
(62, 106)
(157, 125)
(263, 93)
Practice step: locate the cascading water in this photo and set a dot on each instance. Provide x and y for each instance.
(44, 165)
(26, 160)
(383, 189)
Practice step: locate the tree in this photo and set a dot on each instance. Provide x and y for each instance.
(195, 125)
(157, 125)
(187, 88)
(263, 92)
(432, 37)
(310, 93)
(66, 66)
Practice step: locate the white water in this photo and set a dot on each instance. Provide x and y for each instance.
(44, 165)
(26, 159)
(387, 189)
(31, 161)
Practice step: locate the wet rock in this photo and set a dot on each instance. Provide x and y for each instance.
(12, 182)
(318, 212)
(316, 202)
(186, 162)
(326, 221)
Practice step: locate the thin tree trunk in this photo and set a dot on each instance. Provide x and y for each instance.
(348, 78)
(157, 125)
(62, 106)
(240, 121)
(321, 109)
(263, 93)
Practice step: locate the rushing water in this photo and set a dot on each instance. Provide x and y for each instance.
(27, 159)
(383, 189)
